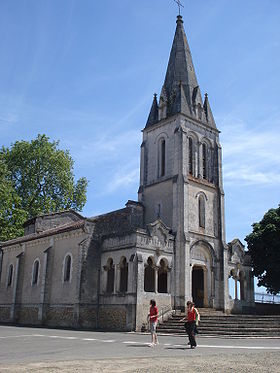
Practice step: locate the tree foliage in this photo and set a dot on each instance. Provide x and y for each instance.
(40, 179)
(12, 216)
(264, 248)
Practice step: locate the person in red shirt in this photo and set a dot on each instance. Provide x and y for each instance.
(153, 317)
(191, 318)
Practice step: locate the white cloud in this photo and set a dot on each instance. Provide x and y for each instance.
(251, 156)
(8, 118)
(123, 179)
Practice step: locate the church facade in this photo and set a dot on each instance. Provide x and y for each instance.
(102, 272)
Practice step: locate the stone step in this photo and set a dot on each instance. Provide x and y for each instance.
(219, 327)
(227, 325)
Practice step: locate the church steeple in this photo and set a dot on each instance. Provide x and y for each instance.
(180, 92)
(180, 70)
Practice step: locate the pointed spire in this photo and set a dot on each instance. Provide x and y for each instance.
(208, 112)
(153, 116)
(180, 69)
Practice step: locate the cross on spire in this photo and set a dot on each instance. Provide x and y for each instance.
(178, 2)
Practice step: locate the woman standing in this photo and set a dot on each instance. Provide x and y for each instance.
(153, 317)
(190, 319)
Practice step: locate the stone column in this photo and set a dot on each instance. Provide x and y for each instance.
(131, 280)
(168, 280)
(235, 288)
(156, 278)
(205, 293)
(117, 278)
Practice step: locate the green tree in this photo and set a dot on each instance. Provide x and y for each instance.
(42, 176)
(12, 216)
(264, 248)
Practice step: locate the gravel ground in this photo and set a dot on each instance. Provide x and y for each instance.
(244, 362)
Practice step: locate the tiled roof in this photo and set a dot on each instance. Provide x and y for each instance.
(34, 236)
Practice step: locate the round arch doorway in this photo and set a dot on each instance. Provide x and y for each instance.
(198, 286)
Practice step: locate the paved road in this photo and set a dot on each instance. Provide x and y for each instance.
(23, 346)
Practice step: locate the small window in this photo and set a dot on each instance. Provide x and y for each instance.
(190, 156)
(158, 210)
(204, 161)
(162, 158)
(35, 272)
(67, 268)
(10, 275)
(201, 211)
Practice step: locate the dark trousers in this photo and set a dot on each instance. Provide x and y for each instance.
(190, 328)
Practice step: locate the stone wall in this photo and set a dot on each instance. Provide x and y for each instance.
(112, 318)
(62, 316)
(27, 315)
(88, 317)
(5, 313)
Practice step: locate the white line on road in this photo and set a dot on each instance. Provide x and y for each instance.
(143, 343)
(107, 340)
(18, 336)
(243, 347)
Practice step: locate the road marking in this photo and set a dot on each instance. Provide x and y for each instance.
(242, 347)
(144, 343)
(18, 336)
(108, 340)
(136, 343)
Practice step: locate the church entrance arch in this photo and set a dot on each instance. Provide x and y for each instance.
(202, 281)
(198, 286)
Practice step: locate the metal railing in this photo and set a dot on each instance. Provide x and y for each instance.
(267, 298)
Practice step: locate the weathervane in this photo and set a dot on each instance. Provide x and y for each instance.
(178, 2)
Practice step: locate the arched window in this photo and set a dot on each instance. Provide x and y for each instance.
(201, 211)
(10, 275)
(162, 277)
(110, 276)
(149, 276)
(67, 268)
(162, 157)
(191, 156)
(35, 272)
(204, 161)
(123, 275)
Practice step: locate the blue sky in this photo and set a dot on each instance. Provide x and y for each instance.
(84, 72)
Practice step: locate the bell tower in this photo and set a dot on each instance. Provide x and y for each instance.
(181, 179)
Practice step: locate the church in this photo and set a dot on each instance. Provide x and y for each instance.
(101, 272)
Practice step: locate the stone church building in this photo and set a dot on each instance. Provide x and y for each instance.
(101, 272)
